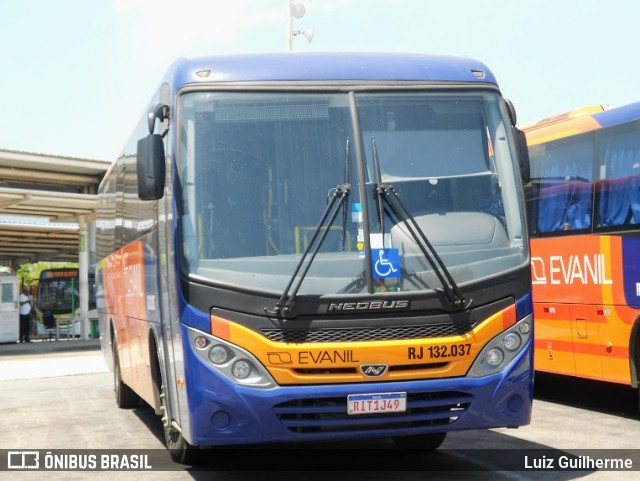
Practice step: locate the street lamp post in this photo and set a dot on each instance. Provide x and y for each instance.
(297, 10)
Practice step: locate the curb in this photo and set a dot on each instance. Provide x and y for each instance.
(38, 346)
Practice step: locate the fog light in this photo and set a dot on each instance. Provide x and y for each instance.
(218, 354)
(494, 357)
(524, 327)
(241, 369)
(515, 403)
(220, 419)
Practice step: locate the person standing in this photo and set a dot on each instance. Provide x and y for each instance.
(25, 315)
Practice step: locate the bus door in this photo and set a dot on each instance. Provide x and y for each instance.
(170, 356)
(170, 350)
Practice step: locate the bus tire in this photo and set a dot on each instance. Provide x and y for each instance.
(125, 397)
(420, 442)
(180, 450)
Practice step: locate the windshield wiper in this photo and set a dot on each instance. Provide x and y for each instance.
(388, 196)
(337, 198)
(346, 181)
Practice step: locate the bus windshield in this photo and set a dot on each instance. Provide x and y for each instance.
(59, 291)
(249, 212)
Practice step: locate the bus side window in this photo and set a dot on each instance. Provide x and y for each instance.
(634, 199)
(565, 206)
(618, 195)
(618, 201)
(579, 209)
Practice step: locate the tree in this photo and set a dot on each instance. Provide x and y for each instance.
(29, 274)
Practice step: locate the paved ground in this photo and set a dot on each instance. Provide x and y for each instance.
(25, 360)
(59, 395)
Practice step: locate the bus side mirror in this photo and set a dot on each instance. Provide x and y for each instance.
(522, 149)
(150, 166)
(523, 154)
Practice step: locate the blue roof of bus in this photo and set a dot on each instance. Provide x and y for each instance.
(329, 66)
(618, 115)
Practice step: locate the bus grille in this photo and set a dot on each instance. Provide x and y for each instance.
(368, 334)
(326, 415)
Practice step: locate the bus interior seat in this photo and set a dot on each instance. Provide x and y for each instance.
(474, 229)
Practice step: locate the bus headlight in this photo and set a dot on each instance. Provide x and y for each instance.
(218, 354)
(494, 357)
(502, 349)
(512, 341)
(241, 369)
(233, 362)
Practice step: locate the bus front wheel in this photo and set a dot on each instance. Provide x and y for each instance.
(180, 450)
(421, 442)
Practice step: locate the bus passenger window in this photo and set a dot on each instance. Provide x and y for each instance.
(564, 207)
(618, 201)
(618, 195)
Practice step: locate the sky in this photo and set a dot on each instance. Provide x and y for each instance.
(76, 75)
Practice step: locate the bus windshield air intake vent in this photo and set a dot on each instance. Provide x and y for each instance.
(368, 334)
(243, 113)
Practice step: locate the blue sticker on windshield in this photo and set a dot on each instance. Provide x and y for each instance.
(385, 263)
(356, 212)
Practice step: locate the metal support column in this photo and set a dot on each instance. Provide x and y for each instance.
(83, 261)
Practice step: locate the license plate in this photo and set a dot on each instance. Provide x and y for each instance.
(386, 402)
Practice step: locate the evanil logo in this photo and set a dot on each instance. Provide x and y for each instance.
(573, 269)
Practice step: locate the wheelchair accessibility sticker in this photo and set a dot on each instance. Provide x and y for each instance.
(385, 263)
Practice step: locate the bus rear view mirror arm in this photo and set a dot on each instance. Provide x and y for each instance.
(160, 112)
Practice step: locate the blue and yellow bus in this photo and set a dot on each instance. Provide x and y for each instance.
(584, 215)
(319, 247)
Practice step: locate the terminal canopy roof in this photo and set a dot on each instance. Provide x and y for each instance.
(44, 200)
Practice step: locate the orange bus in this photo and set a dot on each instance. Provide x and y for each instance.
(583, 207)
